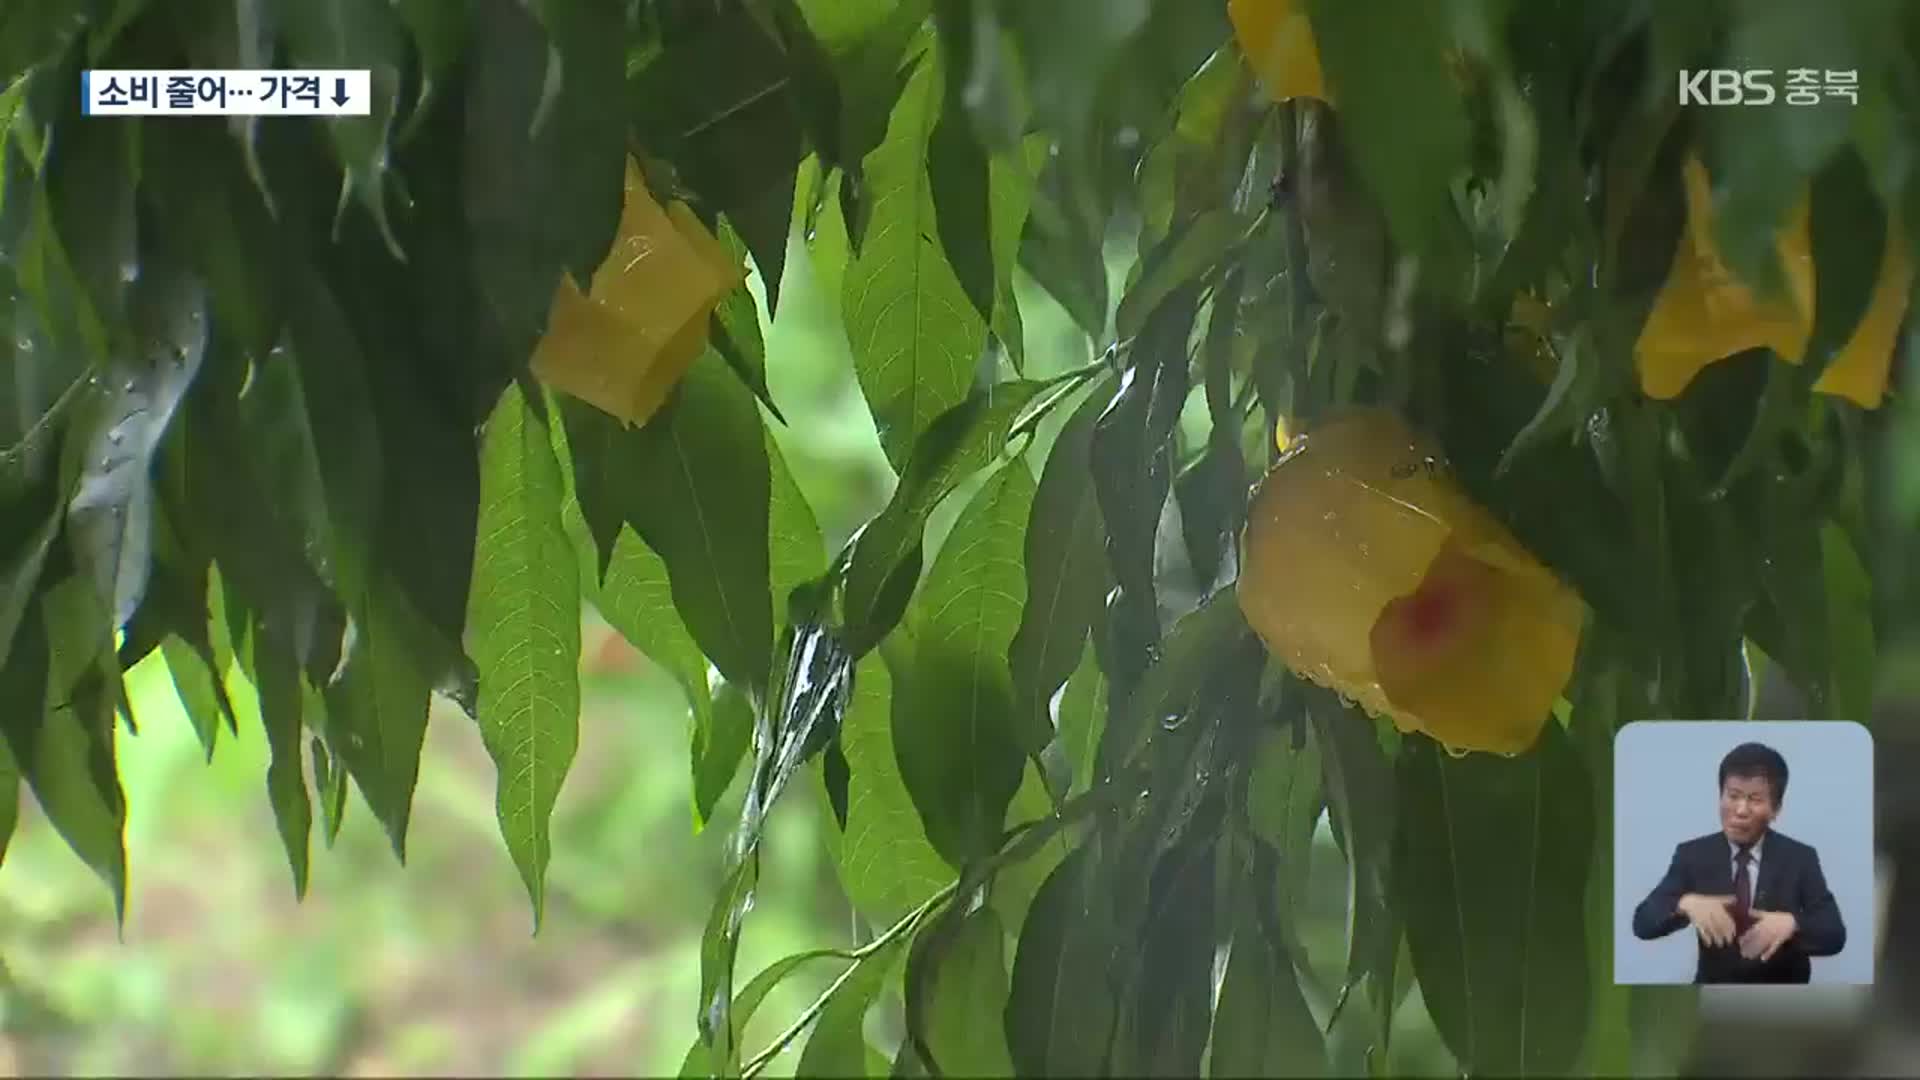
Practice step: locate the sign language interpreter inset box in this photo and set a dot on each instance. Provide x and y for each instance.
(1743, 853)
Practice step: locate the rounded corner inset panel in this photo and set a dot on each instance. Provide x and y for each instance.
(1765, 878)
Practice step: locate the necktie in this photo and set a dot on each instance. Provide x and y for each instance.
(1743, 890)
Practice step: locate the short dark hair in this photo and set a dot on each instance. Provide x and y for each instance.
(1751, 760)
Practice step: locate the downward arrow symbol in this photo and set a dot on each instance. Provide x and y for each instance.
(340, 91)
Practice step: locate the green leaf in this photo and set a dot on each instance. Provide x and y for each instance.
(1010, 185)
(258, 452)
(282, 693)
(439, 30)
(110, 515)
(62, 311)
(215, 217)
(916, 339)
(1132, 470)
(719, 945)
(1761, 158)
(1166, 1003)
(1180, 667)
(961, 751)
(1203, 155)
(348, 34)
(1361, 800)
(525, 620)
(885, 566)
(699, 489)
(958, 175)
(1850, 633)
(377, 708)
(1596, 696)
(634, 594)
(1066, 258)
(338, 411)
(637, 600)
(736, 323)
(267, 412)
(1848, 234)
(544, 156)
(9, 798)
(1261, 1025)
(1066, 568)
(1402, 116)
(1491, 875)
(719, 100)
(330, 786)
(1081, 718)
(429, 510)
(89, 183)
(838, 1045)
(200, 694)
(824, 227)
(865, 42)
(886, 864)
(965, 1030)
(173, 615)
(34, 412)
(34, 30)
(80, 640)
(718, 748)
(983, 74)
(65, 748)
(21, 581)
(1057, 1024)
(698, 1062)
(1193, 250)
(1284, 800)
(796, 552)
(1034, 806)
(1068, 48)
(841, 24)
(590, 444)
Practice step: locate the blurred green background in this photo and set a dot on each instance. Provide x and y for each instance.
(432, 968)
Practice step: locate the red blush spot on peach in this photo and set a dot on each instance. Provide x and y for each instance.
(1432, 611)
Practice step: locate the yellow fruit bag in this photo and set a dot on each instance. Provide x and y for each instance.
(1278, 43)
(1367, 570)
(623, 345)
(1703, 313)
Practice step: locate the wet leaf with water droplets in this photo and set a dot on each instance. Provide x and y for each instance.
(110, 512)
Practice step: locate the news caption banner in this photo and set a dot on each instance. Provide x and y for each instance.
(244, 92)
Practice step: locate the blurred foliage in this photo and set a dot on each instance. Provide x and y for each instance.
(938, 536)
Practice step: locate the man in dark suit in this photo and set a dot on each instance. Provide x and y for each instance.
(1755, 896)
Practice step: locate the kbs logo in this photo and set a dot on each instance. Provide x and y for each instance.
(1726, 86)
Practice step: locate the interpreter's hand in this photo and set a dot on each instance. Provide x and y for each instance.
(1711, 916)
(1770, 930)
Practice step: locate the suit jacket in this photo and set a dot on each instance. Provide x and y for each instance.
(1789, 879)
